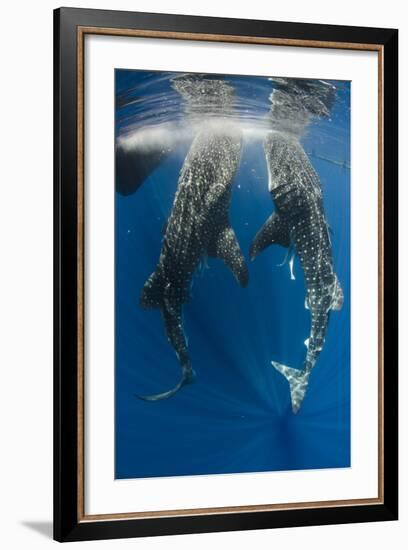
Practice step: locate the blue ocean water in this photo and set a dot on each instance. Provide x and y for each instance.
(236, 416)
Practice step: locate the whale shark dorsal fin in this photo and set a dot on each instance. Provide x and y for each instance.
(274, 231)
(225, 247)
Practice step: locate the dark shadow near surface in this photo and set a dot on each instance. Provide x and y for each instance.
(133, 167)
(42, 527)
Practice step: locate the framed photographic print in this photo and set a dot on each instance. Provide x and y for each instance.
(225, 274)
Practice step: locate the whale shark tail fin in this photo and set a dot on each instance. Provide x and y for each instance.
(225, 247)
(172, 317)
(298, 383)
(274, 231)
(188, 376)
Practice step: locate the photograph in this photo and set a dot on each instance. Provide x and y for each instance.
(232, 273)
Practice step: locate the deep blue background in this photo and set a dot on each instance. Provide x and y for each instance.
(237, 416)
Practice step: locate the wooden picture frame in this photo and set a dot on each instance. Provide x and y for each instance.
(71, 522)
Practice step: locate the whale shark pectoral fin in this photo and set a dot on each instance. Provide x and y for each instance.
(226, 248)
(298, 383)
(187, 378)
(274, 231)
(337, 297)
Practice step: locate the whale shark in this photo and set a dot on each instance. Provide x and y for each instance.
(198, 225)
(299, 221)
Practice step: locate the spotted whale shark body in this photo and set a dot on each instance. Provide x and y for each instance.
(198, 224)
(299, 223)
